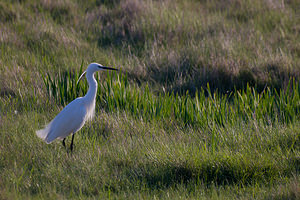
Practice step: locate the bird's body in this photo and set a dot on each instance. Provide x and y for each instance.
(72, 118)
(60, 127)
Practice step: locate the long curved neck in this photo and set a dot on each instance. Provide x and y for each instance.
(91, 94)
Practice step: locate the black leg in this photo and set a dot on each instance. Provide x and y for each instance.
(63, 142)
(71, 146)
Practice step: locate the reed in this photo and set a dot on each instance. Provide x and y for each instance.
(116, 94)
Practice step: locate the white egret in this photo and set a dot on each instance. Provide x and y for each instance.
(75, 114)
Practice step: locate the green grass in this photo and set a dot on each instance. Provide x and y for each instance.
(115, 94)
(205, 105)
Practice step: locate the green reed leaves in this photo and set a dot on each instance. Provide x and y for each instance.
(204, 109)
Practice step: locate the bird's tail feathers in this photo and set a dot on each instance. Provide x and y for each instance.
(43, 133)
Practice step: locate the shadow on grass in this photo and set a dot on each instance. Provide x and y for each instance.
(162, 176)
(6, 92)
(182, 81)
(190, 75)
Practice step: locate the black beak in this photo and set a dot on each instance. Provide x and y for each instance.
(107, 68)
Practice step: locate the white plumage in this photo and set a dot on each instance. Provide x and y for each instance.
(75, 114)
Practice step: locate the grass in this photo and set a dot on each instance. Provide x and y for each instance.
(205, 106)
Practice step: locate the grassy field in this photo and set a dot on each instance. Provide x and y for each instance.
(206, 104)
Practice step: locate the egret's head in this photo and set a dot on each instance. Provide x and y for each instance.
(93, 67)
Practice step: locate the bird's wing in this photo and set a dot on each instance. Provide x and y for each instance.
(68, 121)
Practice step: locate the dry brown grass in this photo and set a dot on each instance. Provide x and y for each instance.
(176, 45)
